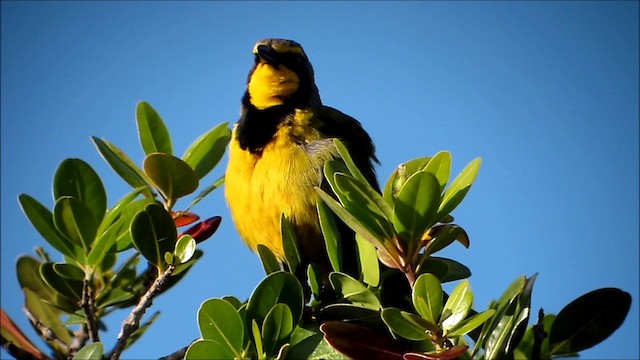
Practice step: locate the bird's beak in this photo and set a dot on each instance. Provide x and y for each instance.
(268, 55)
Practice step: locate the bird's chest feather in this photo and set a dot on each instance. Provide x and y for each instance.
(280, 179)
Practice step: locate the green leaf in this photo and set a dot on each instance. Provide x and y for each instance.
(309, 343)
(93, 351)
(331, 235)
(70, 289)
(42, 220)
(114, 296)
(28, 272)
(75, 221)
(416, 206)
(368, 259)
(459, 188)
(122, 165)
(443, 235)
(444, 269)
(277, 288)
(315, 279)
(112, 215)
(588, 320)
(185, 248)
(440, 166)
(154, 136)
(364, 202)
(206, 191)
(348, 161)
(400, 176)
(407, 325)
(354, 291)
(367, 231)
(205, 153)
(270, 263)
(48, 315)
(123, 239)
(427, 297)
(153, 233)
(470, 323)
(68, 271)
(172, 176)
(276, 328)
(75, 178)
(220, 322)
(458, 305)
(208, 349)
(290, 244)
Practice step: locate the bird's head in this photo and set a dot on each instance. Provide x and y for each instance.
(281, 75)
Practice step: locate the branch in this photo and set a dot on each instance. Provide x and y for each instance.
(80, 338)
(16, 351)
(89, 308)
(45, 332)
(178, 355)
(131, 324)
(538, 336)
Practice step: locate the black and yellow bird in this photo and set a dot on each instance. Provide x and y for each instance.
(279, 147)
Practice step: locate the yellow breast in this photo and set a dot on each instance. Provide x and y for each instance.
(260, 187)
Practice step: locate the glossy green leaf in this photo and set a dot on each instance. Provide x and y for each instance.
(290, 244)
(364, 202)
(354, 291)
(469, 324)
(331, 235)
(122, 165)
(440, 166)
(276, 328)
(171, 175)
(444, 235)
(185, 248)
(400, 176)
(70, 289)
(114, 296)
(75, 221)
(76, 178)
(153, 233)
(42, 220)
(277, 288)
(257, 339)
(427, 297)
(28, 272)
(446, 270)
(588, 320)
(270, 263)
(205, 153)
(112, 215)
(123, 239)
(68, 271)
(93, 351)
(348, 161)
(351, 313)
(458, 305)
(368, 260)
(416, 206)
(315, 279)
(153, 134)
(106, 240)
(367, 231)
(219, 321)
(233, 301)
(407, 325)
(308, 343)
(208, 349)
(459, 187)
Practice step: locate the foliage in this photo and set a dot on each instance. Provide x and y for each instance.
(393, 308)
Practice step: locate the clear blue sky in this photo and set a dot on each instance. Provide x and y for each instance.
(545, 92)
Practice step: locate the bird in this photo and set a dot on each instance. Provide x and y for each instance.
(277, 152)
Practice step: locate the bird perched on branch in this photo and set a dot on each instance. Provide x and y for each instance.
(278, 149)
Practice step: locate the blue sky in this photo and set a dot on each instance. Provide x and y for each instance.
(545, 92)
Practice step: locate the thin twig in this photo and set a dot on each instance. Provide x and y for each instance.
(538, 336)
(132, 322)
(45, 332)
(178, 355)
(89, 308)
